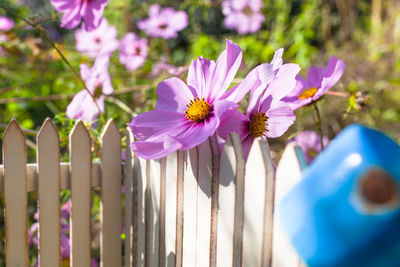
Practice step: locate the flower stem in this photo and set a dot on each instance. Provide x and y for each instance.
(42, 31)
(319, 125)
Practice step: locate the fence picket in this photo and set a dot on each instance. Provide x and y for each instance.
(152, 212)
(140, 236)
(170, 209)
(226, 199)
(190, 207)
(110, 207)
(179, 208)
(239, 201)
(129, 162)
(81, 170)
(15, 195)
(256, 230)
(288, 174)
(48, 158)
(204, 179)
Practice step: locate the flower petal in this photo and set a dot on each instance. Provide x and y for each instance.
(173, 95)
(155, 149)
(333, 73)
(225, 69)
(280, 117)
(199, 76)
(155, 123)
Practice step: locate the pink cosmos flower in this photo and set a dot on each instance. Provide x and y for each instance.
(188, 114)
(100, 41)
(97, 80)
(91, 11)
(319, 80)
(244, 16)
(164, 23)
(310, 143)
(132, 51)
(6, 24)
(266, 115)
(170, 69)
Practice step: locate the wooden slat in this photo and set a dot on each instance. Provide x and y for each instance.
(152, 212)
(204, 179)
(48, 158)
(80, 164)
(15, 197)
(129, 162)
(214, 199)
(170, 209)
(179, 208)
(288, 174)
(226, 201)
(239, 201)
(110, 207)
(163, 181)
(256, 230)
(190, 207)
(140, 198)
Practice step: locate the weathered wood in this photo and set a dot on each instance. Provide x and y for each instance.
(81, 170)
(255, 229)
(128, 183)
(152, 212)
(48, 158)
(170, 209)
(190, 207)
(140, 198)
(226, 200)
(15, 195)
(161, 239)
(214, 200)
(203, 217)
(179, 208)
(110, 207)
(288, 174)
(239, 201)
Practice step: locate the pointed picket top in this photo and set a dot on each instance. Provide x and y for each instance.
(15, 195)
(48, 158)
(288, 174)
(110, 132)
(79, 131)
(258, 205)
(237, 145)
(48, 133)
(13, 131)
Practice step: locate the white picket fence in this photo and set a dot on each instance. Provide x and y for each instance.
(192, 208)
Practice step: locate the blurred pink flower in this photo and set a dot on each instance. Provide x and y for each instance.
(98, 81)
(310, 143)
(91, 11)
(187, 114)
(170, 69)
(100, 41)
(164, 23)
(319, 80)
(244, 16)
(132, 51)
(266, 115)
(6, 24)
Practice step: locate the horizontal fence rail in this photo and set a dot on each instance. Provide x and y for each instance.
(201, 207)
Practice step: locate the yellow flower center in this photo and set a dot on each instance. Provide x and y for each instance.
(309, 92)
(198, 110)
(258, 125)
(65, 263)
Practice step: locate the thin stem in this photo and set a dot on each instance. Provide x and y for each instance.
(319, 124)
(120, 104)
(42, 31)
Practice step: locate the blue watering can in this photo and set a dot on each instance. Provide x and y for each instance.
(345, 211)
